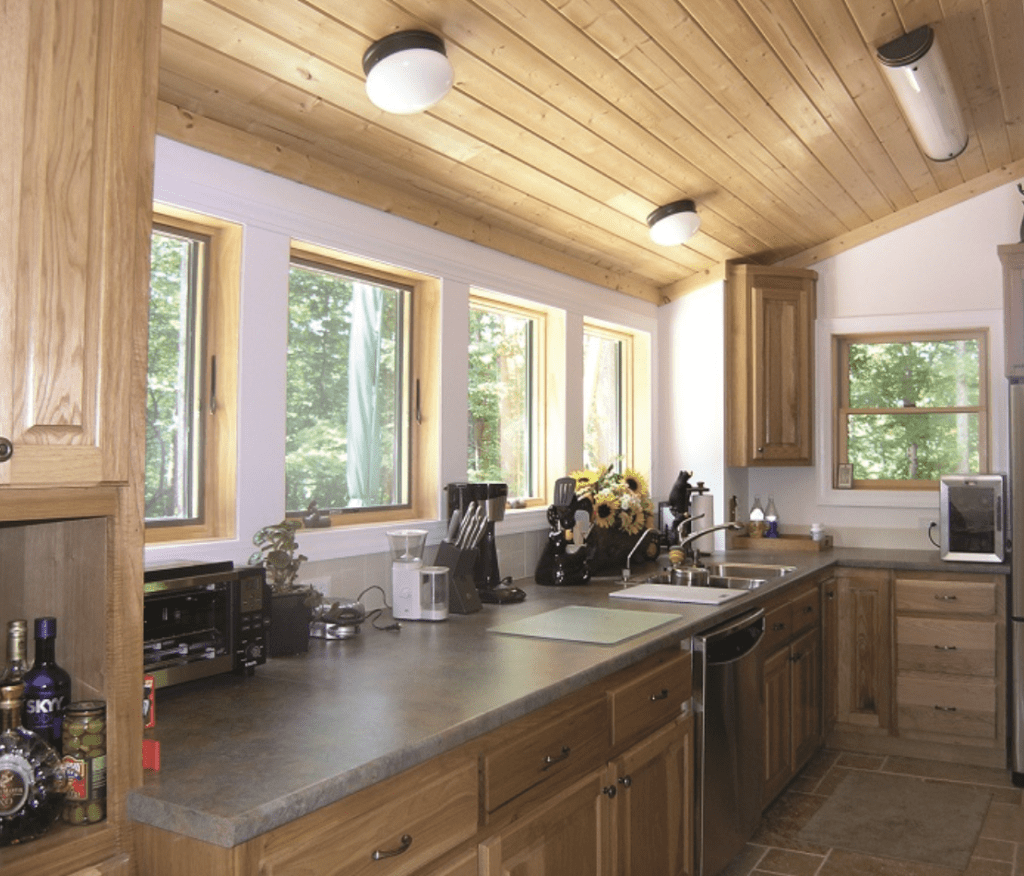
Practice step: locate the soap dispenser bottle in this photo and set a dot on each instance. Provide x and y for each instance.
(771, 519)
(756, 526)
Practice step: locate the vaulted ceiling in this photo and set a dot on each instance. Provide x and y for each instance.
(571, 120)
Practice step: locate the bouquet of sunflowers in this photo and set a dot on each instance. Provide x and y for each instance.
(619, 501)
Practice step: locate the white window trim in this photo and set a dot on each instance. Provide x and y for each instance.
(896, 324)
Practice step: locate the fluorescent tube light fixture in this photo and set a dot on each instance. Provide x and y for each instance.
(919, 78)
(407, 72)
(674, 223)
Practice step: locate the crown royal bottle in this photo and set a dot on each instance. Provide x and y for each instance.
(32, 783)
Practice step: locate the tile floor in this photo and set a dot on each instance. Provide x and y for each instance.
(775, 848)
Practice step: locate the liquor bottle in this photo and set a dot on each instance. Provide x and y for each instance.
(47, 686)
(32, 781)
(17, 664)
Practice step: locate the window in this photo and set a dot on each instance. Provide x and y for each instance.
(506, 406)
(359, 336)
(190, 424)
(607, 357)
(912, 407)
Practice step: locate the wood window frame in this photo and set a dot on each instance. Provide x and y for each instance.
(423, 400)
(221, 317)
(841, 409)
(636, 389)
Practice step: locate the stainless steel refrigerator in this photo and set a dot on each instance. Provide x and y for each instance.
(1015, 706)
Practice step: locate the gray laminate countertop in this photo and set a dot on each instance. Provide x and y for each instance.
(241, 756)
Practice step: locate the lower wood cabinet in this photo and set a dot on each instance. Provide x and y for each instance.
(791, 687)
(651, 798)
(565, 835)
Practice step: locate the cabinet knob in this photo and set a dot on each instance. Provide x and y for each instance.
(381, 854)
(6, 449)
(626, 781)
(660, 696)
(610, 791)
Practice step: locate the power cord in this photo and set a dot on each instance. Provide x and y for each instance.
(375, 613)
(932, 526)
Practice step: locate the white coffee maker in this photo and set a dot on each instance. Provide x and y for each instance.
(406, 562)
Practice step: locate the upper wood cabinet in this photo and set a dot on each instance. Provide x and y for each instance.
(769, 365)
(77, 130)
(1012, 257)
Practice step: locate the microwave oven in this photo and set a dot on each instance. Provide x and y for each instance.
(972, 518)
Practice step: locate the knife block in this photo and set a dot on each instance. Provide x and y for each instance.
(462, 594)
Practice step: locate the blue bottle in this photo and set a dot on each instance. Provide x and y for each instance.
(47, 686)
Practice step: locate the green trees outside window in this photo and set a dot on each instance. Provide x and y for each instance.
(912, 408)
(346, 391)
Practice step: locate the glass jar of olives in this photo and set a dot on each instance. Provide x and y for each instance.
(85, 762)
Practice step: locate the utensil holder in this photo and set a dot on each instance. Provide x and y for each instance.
(462, 594)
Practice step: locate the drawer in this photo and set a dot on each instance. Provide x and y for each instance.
(565, 742)
(418, 815)
(936, 596)
(778, 627)
(947, 705)
(806, 607)
(940, 645)
(650, 700)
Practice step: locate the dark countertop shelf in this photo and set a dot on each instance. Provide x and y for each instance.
(241, 756)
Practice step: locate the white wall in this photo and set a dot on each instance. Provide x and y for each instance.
(940, 272)
(272, 212)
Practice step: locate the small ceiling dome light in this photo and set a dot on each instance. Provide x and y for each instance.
(919, 78)
(674, 223)
(407, 72)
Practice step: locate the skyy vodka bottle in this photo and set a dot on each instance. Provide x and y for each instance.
(47, 686)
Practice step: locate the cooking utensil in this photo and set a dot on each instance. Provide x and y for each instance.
(565, 490)
(469, 523)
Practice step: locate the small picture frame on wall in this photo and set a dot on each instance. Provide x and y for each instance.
(844, 476)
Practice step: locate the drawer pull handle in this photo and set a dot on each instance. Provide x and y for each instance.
(945, 647)
(380, 855)
(550, 761)
(946, 597)
(660, 696)
(945, 708)
(808, 609)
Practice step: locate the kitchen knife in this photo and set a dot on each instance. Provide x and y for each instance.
(468, 522)
(453, 525)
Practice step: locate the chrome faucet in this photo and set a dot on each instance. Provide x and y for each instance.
(693, 554)
(629, 557)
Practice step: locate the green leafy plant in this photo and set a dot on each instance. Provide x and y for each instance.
(278, 554)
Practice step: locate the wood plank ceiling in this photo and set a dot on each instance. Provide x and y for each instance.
(571, 120)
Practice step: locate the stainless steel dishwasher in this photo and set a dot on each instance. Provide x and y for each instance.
(730, 738)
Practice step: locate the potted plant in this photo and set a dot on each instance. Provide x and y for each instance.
(622, 512)
(291, 603)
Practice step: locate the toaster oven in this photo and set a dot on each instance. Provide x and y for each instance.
(972, 517)
(203, 619)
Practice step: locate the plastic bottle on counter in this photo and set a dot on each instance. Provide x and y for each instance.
(755, 529)
(771, 519)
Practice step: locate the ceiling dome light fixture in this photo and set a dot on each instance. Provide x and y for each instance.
(407, 72)
(914, 66)
(674, 223)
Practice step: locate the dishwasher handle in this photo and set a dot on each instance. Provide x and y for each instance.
(733, 639)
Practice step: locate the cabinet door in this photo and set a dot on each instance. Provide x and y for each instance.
(830, 654)
(805, 663)
(464, 864)
(1012, 257)
(652, 810)
(566, 836)
(777, 693)
(864, 683)
(769, 365)
(77, 131)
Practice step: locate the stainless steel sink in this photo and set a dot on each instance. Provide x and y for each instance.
(762, 571)
(725, 582)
